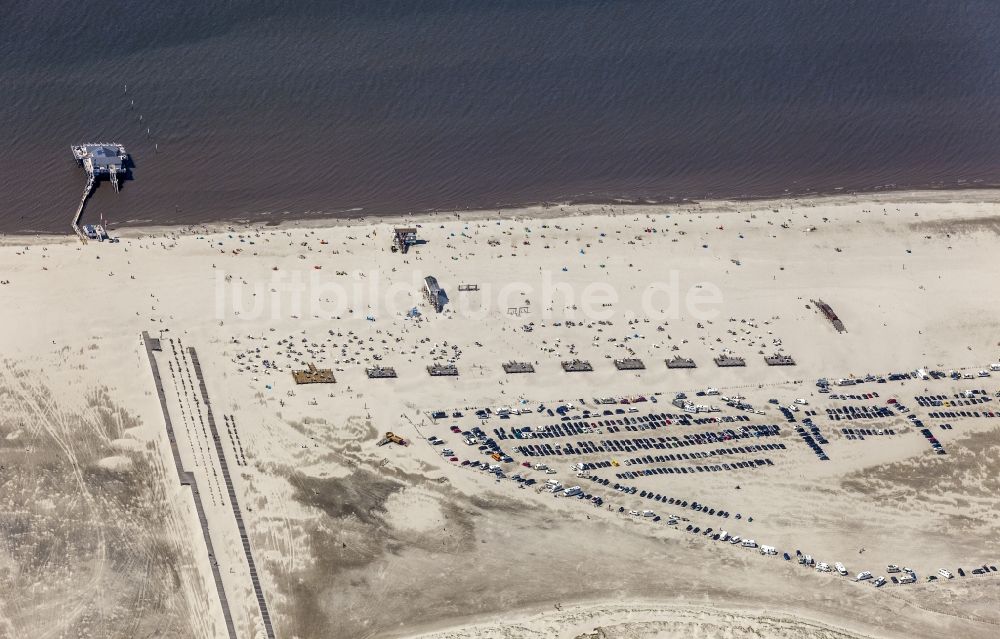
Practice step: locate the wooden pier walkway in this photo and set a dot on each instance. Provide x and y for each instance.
(244, 538)
(188, 479)
(87, 190)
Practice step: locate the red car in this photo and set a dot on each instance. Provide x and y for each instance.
(454, 459)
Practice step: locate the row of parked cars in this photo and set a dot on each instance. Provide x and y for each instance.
(664, 499)
(648, 443)
(861, 433)
(854, 413)
(685, 470)
(860, 397)
(650, 459)
(812, 443)
(967, 398)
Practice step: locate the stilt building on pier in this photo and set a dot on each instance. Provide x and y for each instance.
(100, 160)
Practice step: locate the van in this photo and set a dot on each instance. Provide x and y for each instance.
(946, 574)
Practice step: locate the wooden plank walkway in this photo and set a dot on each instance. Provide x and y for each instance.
(188, 479)
(83, 203)
(244, 538)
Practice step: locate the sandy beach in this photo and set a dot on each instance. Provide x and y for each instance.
(102, 534)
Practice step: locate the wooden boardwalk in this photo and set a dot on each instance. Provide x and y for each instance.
(244, 538)
(188, 479)
(91, 180)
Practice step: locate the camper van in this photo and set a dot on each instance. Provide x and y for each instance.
(840, 568)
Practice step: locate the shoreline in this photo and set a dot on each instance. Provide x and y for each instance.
(536, 211)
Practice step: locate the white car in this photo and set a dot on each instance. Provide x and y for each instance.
(864, 575)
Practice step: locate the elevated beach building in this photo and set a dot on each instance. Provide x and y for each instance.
(433, 292)
(100, 160)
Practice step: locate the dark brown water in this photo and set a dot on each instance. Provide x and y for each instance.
(310, 108)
